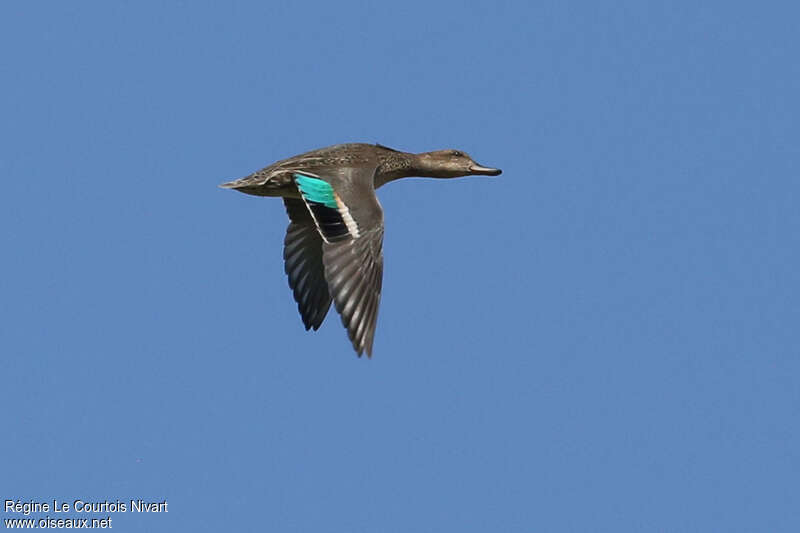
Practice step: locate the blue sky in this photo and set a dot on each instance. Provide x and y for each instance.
(604, 338)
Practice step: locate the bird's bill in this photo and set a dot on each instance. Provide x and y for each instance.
(484, 171)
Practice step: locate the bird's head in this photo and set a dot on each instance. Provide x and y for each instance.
(451, 164)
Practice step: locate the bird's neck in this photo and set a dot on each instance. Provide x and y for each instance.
(404, 165)
(396, 165)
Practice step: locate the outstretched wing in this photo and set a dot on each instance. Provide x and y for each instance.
(349, 218)
(354, 270)
(302, 255)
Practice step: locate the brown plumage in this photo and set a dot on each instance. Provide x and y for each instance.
(333, 245)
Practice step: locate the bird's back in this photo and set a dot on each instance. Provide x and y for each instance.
(276, 179)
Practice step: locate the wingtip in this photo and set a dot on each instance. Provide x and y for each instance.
(361, 350)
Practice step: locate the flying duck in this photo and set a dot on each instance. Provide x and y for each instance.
(333, 245)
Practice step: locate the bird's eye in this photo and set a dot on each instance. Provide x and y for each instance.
(456, 153)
